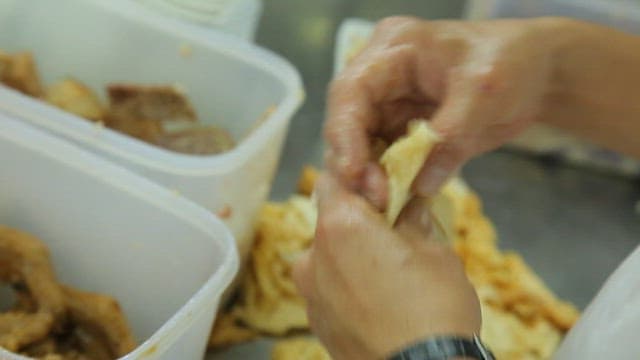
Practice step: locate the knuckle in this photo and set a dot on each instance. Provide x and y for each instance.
(454, 146)
(394, 29)
(489, 79)
(336, 85)
(343, 218)
(346, 84)
(393, 22)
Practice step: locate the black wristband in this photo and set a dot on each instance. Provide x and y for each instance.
(445, 347)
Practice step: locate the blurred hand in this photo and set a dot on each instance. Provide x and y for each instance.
(372, 290)
(480, 83)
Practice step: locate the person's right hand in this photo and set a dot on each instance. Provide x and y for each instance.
(480, 83)
(372, 290)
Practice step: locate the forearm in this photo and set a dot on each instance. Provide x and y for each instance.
(595, 93)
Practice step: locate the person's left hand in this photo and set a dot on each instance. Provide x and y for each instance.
(370, 289)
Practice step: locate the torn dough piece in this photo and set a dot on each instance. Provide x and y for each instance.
(402, 161)
(301, 348)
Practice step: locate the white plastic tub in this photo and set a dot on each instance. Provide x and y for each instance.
(238, 17)
(230, 82)
(165, 259)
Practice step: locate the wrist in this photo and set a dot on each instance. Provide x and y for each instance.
(559, 37)
(396, 341)
(445, 347)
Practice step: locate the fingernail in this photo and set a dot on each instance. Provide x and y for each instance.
(431, 181)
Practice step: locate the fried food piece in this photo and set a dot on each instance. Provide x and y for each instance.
(269, 301)
(95, 329)
(19, 72)
(52, 321)
(198, 140)
(5, 64)
(510, 338)
(307, 181)
(522, 318)
(100, 317)
(46, 349)
(228, 331)
(24, 263)
(139, 102)
(66, 345)
(18, 329)
(300, 348)
(140, 111)
(402, 161)
(72, 96)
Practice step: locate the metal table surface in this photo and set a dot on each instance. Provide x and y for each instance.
(573, 226)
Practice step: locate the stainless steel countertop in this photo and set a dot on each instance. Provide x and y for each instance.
(573, 226)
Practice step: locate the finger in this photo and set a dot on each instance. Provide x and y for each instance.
(398, 113)
(459, 117)
(350, 113)
(328, 192)
(443, 162)
(479, 113)
(415, 221)
(343, 217)
(302, 274)
(333, 197)
(378, 75)
(375, 186)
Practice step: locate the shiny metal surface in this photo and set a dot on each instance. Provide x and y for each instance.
(573, 226)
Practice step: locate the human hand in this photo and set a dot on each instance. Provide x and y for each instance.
(480, 84)
(372, 290)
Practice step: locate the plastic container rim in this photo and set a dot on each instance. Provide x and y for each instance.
(106, 172)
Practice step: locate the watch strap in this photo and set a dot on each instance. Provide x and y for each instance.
(445, 347)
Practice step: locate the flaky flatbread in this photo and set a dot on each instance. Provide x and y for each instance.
(402, 161)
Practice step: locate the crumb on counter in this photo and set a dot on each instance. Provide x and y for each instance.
(307, 180)
(225, 212)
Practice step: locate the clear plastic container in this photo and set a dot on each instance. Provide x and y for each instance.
(165, 259)
(238, 17)
(623, 14)
(230, 82)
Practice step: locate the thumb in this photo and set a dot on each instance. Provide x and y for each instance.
(453, 122)
(414, 221)
(443, 162)
(302, 273)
